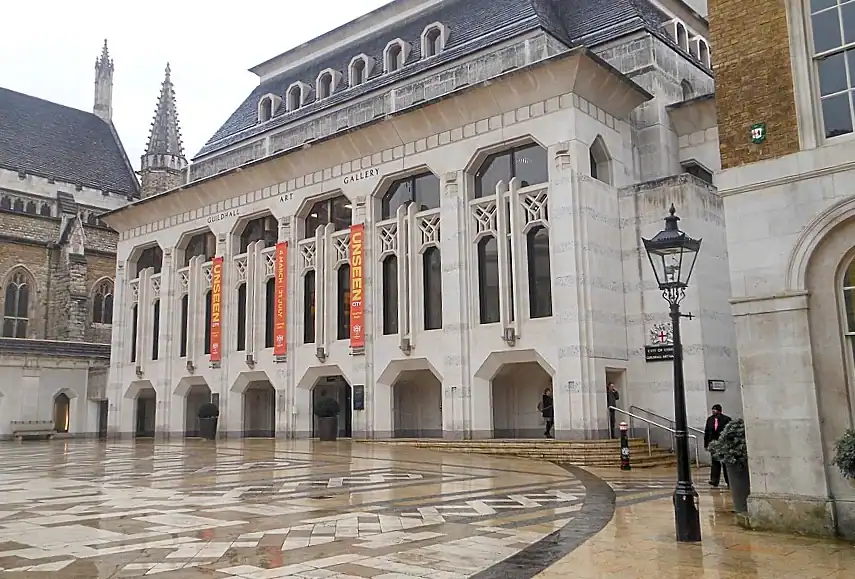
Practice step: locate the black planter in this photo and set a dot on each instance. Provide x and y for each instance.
(208, 428)
(740, 485)
(328, 428)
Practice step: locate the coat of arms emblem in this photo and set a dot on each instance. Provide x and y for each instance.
(661, 335)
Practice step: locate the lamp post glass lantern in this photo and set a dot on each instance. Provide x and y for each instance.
(672, 255)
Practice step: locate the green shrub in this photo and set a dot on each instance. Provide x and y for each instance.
(844, 454)
(327, 408)
(208, 410)
(730, 448)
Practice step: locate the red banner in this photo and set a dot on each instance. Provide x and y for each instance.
(357, 326)
(281, 317)
(216, 308)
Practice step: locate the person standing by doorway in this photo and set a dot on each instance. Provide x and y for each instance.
(715, 424)
(612, 395)
(548, 411)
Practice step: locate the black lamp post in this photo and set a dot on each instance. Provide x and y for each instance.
(672, 254)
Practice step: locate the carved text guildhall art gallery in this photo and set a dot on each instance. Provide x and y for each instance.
(434, 213)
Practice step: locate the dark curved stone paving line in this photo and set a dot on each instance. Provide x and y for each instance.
(596, 512)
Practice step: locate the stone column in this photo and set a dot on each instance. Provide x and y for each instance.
(163, 381)
(118, 353)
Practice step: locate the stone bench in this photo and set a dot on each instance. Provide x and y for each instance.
(22, 429)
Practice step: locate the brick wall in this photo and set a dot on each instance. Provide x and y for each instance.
(154, 182)
(754, 84)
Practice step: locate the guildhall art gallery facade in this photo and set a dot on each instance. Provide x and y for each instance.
(434, 218)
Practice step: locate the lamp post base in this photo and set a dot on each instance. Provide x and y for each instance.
(686, 514)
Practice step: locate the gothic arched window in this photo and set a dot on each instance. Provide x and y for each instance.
(208, 313)
(309, 307)
(31, 208)
(390, 295)
(601, 161)
(102, 303)
(241, 318)
(421, 189)
(150, 257)
(204, 244)
(343, 303)
(432, 278)
(135, 318)
(16, 306)
(261, 229)
(185, 318)
(394, 57)
(269, 312)
(539, 273)
(488, 280)
(337, 211)
(61, 412)
(155, 331)
(527, 163)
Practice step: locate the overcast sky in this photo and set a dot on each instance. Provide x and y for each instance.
(49, 49)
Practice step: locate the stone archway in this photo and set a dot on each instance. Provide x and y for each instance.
(416, 399)
(324, 381)
(258, 405)
(61, 413)
(145, 412)
(515, 381)
(193, 392)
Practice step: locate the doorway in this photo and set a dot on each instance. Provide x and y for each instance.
(145, 415)
(103, 414)
(337, 388)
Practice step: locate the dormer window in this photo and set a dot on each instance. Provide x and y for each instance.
(324, 85)
(267, 107)
(395, 55)
(704, 52)
(295, 97)
(360, 69)
(433, 40)
(682, 36)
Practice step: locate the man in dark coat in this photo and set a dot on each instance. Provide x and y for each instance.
(715, 424)
(612, 396)
(548, 411)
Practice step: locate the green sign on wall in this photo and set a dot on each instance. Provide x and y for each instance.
(758, 133)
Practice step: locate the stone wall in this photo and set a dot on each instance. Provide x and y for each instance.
(754, 82)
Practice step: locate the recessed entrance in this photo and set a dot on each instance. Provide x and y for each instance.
(417, 400)
(517, 390)
(337, 388)
(103, 416)
(146, 408)
(61, 413)
(197, 395)
(259, 410)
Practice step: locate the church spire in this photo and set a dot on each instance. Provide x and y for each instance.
(103, 106)
(163, 164)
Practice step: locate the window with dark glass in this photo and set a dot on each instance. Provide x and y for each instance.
(264, 229)
(155, 331)
(433, 42)
(269, 311)
(432, 274)
(309, 307)
(324, 86)
(134, 327)
(527, 163)
(16, 307)
(31, 208)
(241, 317)
(539, 273)
(488, 280)
(421, 189)
(390, 295)
(19, 205)
(102, 303)
(204, 244)
(600, 161)
(266, 109)
(336, 211)
(343, 303)
(357, 72)
(185, 314)
(394, 58)
(295, 98)
(45, 210)
(208, 311)
(833, 23)
(150, 257)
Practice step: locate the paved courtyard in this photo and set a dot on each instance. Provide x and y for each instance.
(260, 509)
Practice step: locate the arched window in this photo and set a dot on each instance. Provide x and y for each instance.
(135, 318)
(6, 203)
(150, 257)
(337, 211)
(265, 109)
(527, 163)
(309, 307)
(61, 413)
(601, 161)
(208, 315)
(357, 71)
(390, 295)
(18, 205)
(687, 89)
(432, 276)
(488, 280)
(704, 53)
(155, 332)
(102, 303)
(394, 57)
(343, 303)
(539, 273)
(682, 37)
(185, 316)
(421, 189)
(432, 42)
(16, 305)
(264, 229)
(295, 98)
(325, 85)
(204, 244)
(31, 208)
(241, 318)
(45, 210)
(269, 311)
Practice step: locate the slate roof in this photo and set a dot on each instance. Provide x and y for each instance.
(473, 25)
(54, 141)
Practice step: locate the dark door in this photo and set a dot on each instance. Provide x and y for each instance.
(103, 412)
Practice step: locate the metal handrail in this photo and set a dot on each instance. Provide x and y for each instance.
(663, 427)
(670, 421)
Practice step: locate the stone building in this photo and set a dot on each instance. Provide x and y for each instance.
(60, 169)
(784, 97)
(434, 213)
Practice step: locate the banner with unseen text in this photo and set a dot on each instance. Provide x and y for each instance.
(216, 308)
(280, 347)
(357, 326)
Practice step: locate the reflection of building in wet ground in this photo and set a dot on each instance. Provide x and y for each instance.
(454, 246)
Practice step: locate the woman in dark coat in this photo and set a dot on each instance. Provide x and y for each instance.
(548, 412)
